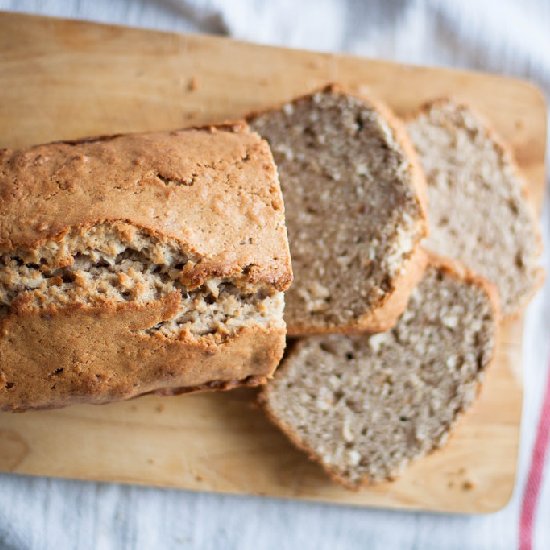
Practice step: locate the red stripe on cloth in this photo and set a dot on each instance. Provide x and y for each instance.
(536, 470)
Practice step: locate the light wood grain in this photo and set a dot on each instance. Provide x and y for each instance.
(62, 79)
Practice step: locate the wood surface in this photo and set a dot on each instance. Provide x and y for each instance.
(67, 79)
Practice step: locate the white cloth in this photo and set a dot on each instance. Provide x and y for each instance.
(502, 36)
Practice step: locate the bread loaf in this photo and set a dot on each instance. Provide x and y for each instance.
(139, 263)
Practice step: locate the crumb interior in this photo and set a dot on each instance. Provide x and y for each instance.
(367, 405)
(352, 213)
(477, 213)
(119, 263)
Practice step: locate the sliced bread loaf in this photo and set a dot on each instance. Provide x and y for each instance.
(364, 406)
(354, 208)
(478, 212)
(139, 263)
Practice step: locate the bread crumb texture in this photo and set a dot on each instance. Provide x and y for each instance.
(118, 263)
(365, 406)
(353, 214)
(478, 213)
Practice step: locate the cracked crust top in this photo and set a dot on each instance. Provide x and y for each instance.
(236, 222)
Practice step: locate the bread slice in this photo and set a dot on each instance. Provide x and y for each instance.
(139, 263)
(365, 406)
(478, 212)
(354, 208)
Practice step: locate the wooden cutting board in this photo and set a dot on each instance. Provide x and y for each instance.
(67, 79)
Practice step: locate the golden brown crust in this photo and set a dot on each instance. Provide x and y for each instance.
(508, 153)
(98, 354)
(451, 268)
(386, 316)
(213, 191)
(386, 312)
(221, 186)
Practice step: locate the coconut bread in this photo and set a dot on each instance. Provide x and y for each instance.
(139, 263)
(478, 212)
(354, 204)
(364, 406)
